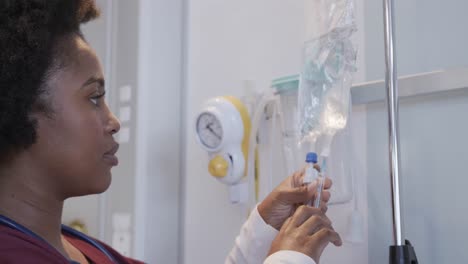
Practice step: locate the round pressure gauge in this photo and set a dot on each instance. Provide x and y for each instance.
(223, 130)
(209, 130)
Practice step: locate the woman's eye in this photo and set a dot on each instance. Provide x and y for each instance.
(94, 100)
(97, 99)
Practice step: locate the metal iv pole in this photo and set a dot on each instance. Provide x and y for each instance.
(402, 252)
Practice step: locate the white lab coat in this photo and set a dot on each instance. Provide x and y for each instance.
(254, 241)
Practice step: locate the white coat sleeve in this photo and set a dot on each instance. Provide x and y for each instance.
(288, 257)
(254, 241)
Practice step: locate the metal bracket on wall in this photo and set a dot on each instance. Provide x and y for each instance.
(412, 85)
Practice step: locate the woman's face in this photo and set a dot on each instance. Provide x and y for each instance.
(75, 148)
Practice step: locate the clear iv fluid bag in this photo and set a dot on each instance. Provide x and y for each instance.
(326, 78)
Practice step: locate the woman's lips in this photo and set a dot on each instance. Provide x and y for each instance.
(110, 157)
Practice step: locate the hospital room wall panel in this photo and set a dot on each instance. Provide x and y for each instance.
(159, 152)
(429, 36)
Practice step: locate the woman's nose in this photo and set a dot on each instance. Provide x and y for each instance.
(113, 124)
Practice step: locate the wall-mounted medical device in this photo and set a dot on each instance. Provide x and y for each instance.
(223, 130)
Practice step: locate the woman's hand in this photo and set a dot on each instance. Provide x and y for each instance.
(284, 199)
(308, 231)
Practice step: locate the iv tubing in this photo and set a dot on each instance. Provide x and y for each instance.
(257, 115)
(321, 180)
(271, 140)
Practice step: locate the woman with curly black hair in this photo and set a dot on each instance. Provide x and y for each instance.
(56, 142)
(56, 131)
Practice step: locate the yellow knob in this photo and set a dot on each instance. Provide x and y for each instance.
(218, 167)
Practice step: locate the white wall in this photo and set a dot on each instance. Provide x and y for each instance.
(159, 130)
(429, 36)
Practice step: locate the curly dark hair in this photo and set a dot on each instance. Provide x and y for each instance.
(30, 36)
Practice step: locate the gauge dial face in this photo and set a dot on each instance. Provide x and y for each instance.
(209, 130)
